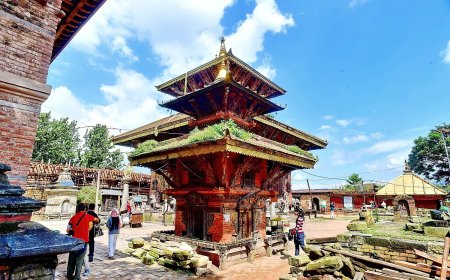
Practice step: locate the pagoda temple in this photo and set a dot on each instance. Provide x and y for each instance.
(222, 154)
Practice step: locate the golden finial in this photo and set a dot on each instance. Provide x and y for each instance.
(223, 50)
(224, 67)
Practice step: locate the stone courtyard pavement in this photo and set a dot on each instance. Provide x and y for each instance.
(126, 267)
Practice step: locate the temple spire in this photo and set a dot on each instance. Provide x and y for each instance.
(407, 167)
(223, 67)
(223, 49)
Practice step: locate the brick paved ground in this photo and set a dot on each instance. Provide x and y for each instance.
(125, 267)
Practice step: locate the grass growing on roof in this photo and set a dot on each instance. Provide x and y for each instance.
(209, 133)
(212, 132)
(298, 150)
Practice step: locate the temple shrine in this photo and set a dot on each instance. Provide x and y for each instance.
(223, 156)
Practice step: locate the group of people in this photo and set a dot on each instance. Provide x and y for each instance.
(81, 226)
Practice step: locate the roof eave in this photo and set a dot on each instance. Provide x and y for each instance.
(224, 145)
(170, 103)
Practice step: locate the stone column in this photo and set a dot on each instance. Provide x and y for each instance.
(27, 34)
(126, 192)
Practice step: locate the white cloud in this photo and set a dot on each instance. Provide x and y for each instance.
(328, 117)
(181, 34)
(446, 53)
(343, 122)
(120, 45)
(389, 146)
(248, 39)
(266, 68)
(377, 135)
(356, 3)
(63, 103)
(131, 102)
(398, 158)
(324, 127)
(355, 139)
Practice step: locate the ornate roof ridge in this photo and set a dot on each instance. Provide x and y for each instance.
(217, 61)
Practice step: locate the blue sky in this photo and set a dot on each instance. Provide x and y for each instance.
(369, 76)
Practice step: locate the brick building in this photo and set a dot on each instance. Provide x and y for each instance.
(32, 34)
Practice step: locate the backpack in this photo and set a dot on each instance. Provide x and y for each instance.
(291, 234)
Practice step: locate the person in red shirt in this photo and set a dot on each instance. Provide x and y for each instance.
(79, 225)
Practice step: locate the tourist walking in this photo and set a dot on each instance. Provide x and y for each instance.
(113, 224)
(332, 210)
(90, 257)
(79, 226)
(299, 237)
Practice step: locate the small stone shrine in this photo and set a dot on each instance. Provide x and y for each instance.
(28, 250)
(61, 197)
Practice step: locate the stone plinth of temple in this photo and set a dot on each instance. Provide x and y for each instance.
(28, 250)
(61, 197)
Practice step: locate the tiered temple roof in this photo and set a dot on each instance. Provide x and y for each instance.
(178, 124)
(206, 74)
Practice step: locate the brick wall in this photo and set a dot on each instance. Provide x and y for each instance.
(27, 32)
(388, 249)
(17, 132)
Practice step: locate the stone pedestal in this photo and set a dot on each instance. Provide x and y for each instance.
(28, 250)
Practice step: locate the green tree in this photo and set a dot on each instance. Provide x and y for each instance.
(98, 150)
(57, 141)
(428, 156)
(87, 195)
(353, 182)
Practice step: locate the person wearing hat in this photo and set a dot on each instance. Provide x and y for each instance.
(299, 237)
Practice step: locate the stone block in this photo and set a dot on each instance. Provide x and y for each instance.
(148, 260)
(288, 277)
(345, 237)
(199, 260)
(436, 231)
(324, 265)
(348, 269)
(295, 270)
(315, 252)
(435, 248)
(138, 253)
(137, 242)
(298, 261)
(129, 251)
(357, 226)
(337, 246)
(412, 226)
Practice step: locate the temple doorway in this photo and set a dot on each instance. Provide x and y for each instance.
(404, 208)
(316, 204)
(196, 221)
